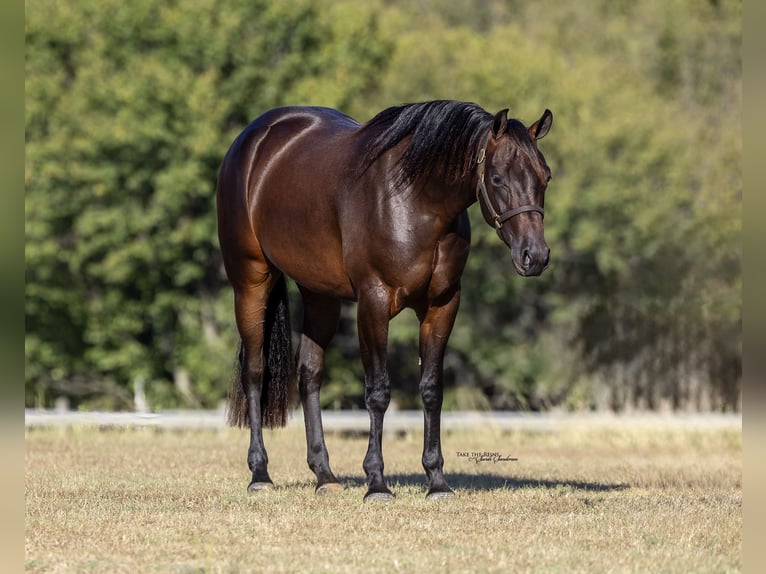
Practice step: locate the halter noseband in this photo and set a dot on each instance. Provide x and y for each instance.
(482, 193)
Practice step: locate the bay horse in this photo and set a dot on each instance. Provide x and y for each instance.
(375, 214)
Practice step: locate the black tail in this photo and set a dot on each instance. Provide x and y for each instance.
(278, 388)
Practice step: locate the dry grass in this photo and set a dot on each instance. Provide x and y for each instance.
(580, 500)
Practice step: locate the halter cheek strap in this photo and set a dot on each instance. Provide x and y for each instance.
(483, 195)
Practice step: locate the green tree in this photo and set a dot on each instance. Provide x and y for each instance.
(642, 303)
(130, 109)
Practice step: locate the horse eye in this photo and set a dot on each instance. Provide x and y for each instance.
(497, 180)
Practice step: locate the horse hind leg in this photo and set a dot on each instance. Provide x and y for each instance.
(249, 400)
(320, 321)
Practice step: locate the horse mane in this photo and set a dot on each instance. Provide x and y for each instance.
(444, 138)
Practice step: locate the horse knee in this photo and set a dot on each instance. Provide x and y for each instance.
(252, 368)
(377, 399)
(431, 393)
(310, 371)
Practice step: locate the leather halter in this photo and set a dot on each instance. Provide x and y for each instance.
(482, 193)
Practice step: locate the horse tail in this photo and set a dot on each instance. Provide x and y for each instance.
(279, 382)
(278, 389)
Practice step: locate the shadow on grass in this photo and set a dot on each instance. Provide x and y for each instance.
(486, 481)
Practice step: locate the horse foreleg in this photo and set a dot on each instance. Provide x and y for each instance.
(435, 328)
(372, 321)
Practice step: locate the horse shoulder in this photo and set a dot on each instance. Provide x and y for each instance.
(450, 258)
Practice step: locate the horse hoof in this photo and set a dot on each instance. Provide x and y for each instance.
(260, 486)
(382, 496)
(329, 488)
(444, 495)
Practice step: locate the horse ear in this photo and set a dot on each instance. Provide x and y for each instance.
(500, 123)
(541, 127)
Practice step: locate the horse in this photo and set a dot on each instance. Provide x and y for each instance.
(374, 214)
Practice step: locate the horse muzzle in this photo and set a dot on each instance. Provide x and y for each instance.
(531, 258)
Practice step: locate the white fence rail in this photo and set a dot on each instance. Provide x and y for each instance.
(395, 421)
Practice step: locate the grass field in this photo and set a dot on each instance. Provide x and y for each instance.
(580, 499)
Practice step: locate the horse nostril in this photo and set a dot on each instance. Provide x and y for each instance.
(526, 260)
(547, 258)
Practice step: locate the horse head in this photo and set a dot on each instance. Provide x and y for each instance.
(513, 176)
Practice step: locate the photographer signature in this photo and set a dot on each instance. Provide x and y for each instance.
(478, 457)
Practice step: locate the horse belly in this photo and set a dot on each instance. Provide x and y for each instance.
(317, 272)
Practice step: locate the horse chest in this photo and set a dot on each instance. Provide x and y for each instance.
(450, 258)
(417, 273)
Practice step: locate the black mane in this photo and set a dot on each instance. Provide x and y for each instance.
(444, 138)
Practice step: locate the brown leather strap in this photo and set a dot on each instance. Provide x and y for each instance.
(483, 194)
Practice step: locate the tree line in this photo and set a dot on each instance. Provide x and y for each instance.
(130, 108)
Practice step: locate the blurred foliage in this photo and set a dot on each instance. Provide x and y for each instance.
(130, 108)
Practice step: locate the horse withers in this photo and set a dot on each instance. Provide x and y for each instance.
(376, 214)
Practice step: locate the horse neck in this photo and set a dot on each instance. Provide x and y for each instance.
(452, 198)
